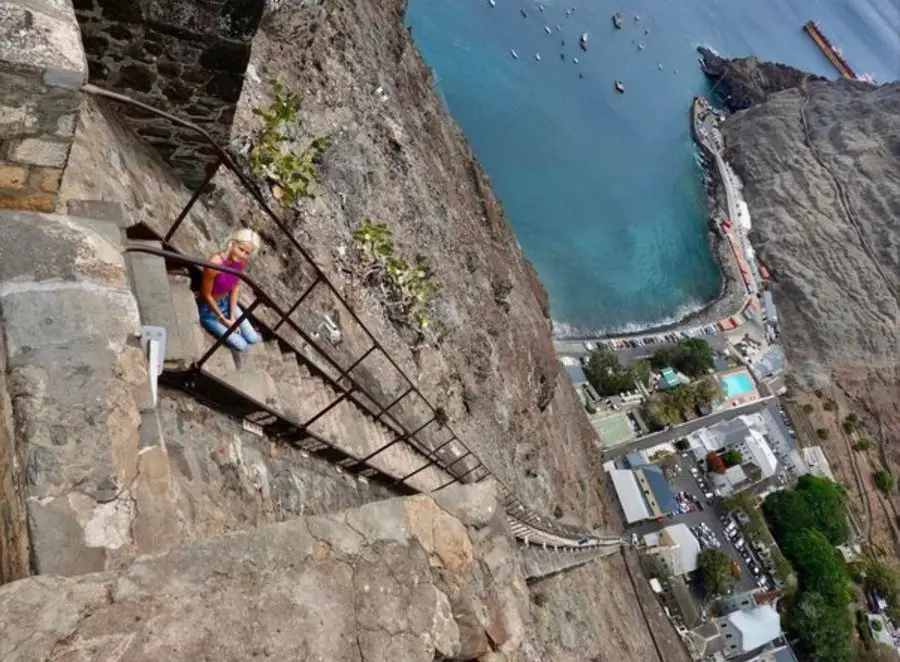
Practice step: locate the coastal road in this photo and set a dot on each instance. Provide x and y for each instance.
(686, 428)
(576, 348)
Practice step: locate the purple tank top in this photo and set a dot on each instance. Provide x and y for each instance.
(224, 283)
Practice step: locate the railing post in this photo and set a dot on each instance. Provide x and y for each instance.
(191, 202)
(334, 403)
(231, 329)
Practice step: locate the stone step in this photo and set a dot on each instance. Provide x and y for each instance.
(150, 284)
(187, 319)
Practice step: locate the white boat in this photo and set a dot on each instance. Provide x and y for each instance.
(641, 46)
(617, 20)
(575, 60)
(537, 56)
(492, 3)
(620, 87)
(514, 54)
(547, 30)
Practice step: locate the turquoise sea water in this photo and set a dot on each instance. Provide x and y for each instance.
(604, 190)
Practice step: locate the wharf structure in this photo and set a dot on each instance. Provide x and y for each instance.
(830, 51)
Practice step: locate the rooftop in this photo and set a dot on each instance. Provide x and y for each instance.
(679, 536)
(630, 495)
(758, 626)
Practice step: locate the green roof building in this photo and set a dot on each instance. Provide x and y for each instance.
(668, 379)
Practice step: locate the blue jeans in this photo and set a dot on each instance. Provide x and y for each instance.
(244, 335)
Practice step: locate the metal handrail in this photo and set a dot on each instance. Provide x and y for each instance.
(515, 508)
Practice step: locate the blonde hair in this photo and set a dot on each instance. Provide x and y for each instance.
(245, 236)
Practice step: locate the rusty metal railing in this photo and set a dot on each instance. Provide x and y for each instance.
(340, 378)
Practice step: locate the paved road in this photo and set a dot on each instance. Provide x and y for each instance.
(687, 428)
(627, 354)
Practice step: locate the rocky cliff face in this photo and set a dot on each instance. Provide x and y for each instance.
(402, 161)
(820, 162)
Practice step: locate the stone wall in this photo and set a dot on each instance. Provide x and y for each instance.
(186, 57)
(417, 579)
(42, 65)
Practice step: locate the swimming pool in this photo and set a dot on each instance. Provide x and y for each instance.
(737, 384)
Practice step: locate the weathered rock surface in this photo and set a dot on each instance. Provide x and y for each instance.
(821, 170)
(312, 588)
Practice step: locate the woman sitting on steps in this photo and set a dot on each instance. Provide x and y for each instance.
(217, 300)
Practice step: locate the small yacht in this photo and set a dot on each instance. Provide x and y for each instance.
(547, 30)
(492, 3)
(575, 60)
(516, 55)
(582, 43)
(620, 87)
(641, 45)
(524, 14)
(537, 56)
(617, 20)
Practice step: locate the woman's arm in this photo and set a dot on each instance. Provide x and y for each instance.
(234, 301)
(206, 288)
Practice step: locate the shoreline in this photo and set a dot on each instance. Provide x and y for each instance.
(731, 295)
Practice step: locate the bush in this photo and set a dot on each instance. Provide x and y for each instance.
(590, 408)
(852, 423)
(823, 433)
(808, 409)
(863, 444)
(830, 405)
(877, 626)
(682, 444)
(290, 175)
(732, 457)
(818, 392)
(883, 480)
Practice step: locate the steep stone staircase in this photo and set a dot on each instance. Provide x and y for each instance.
(282, 389)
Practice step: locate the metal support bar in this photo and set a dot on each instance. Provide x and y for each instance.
(334, 403)
(384, 410)
(192, 201)
(356, 363)
(231, 329)
(297, 303)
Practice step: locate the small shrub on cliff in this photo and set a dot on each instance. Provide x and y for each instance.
(290, 175)
(409, 287)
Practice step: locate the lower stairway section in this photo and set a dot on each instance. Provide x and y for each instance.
(539, 562)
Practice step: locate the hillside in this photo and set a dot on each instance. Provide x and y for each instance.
(820, 163)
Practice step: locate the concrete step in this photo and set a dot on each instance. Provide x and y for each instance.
(150, 285)
(187, 319)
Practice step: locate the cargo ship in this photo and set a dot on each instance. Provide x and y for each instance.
(830, 51)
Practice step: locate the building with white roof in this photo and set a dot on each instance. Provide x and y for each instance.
(676, 546)
(630, 495)
(756, 448)
(817, 462)
(745, 433)
(746, 630)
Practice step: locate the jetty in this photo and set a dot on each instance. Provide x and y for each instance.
(830, 51)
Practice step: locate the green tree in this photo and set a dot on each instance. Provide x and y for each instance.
(808, 409)
(732, 457)
(589, 407)
(682, 444)
(714, 568)
(819, 566)
(822, 433)
(641, 371)
(823, 630)
(816, 503)
(884, 577)
(829, 405)
(606, 375)
(863, 444)
(692, 356)
(883, 480)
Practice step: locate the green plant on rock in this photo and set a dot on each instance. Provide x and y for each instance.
(290, 175)
(410, 288)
